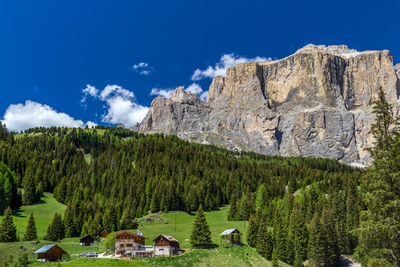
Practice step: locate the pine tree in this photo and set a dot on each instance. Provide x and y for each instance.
(39, 191)
(380, 226)
(275, 260)
(331, 251)
(30, 233)
(252, 230)
(298, 261)
(280, 236)
(8, 231)
(55, 230)
(300, 235)
(316, 244)
(264, 245)
(201, 235)
(29, 190)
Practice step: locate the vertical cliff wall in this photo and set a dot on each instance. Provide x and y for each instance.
(316, 102)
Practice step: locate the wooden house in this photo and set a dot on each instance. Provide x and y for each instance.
(87, 240)
(50, 253)
(165, 245)
(231, 236)
(127, 244)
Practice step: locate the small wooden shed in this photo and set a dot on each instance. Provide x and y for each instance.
(87, 240)
(231, 236)
(50, 253)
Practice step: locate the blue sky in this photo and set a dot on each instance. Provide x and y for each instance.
(51, 50)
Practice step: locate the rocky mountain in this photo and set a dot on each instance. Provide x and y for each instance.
(315, 103)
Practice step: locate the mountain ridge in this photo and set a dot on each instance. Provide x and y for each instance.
(316, 102)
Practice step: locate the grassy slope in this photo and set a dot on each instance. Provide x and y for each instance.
(43, 213)
(216, 220)
(231, 256)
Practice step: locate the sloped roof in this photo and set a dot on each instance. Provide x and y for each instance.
(168, 237)
(46, 248)
(229, 231)
(87, 236)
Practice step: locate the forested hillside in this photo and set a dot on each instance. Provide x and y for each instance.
(109, 176)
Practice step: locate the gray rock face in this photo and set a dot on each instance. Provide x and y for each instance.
(315, 103)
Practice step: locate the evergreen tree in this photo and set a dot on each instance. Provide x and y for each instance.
(331, 251)
(8, 231)
(298, 261)
(55, 230)
(379, 231)
(29, 190)
(300, 235)
(275, 260)
(39, 191)
(252, 229)
(30, 233)
(280, 236)
(201, 235)
(316, 244)
(264, 243)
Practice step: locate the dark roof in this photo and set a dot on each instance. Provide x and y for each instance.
(168, 237)
(87, 236)
(46, 248)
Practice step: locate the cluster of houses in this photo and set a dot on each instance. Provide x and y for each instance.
(130, 245)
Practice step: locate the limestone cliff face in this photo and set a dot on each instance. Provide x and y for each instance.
(316, 102)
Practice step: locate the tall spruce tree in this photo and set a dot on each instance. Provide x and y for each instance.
(280, 236)
(264, 245)
(29, 196)
(55, 231)
(331, 250)
(30, 233)
(201, 235)
(379, 231)
(8, 231)
(252, 228)
(316, 243)
(300, 235)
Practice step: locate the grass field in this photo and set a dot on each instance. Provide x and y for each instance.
(163, 223)
(216, 220)
(222, 256)
(43, 213)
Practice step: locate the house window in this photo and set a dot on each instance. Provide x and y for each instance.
(161, 249)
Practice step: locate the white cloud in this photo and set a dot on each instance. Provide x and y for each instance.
(121, 106)
(142, 68)
(31, 114)
(140, 65)
(204, 96)
(194, 88)
(89, 90)
(90, 124)
(162, 92)
(226, 61)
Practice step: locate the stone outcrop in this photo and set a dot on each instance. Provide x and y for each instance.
(316, 102)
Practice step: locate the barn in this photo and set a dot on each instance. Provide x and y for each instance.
(165, 245)
(50, 253)
(87, 240)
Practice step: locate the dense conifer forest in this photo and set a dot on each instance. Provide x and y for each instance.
(297, 208)
(109, 176)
